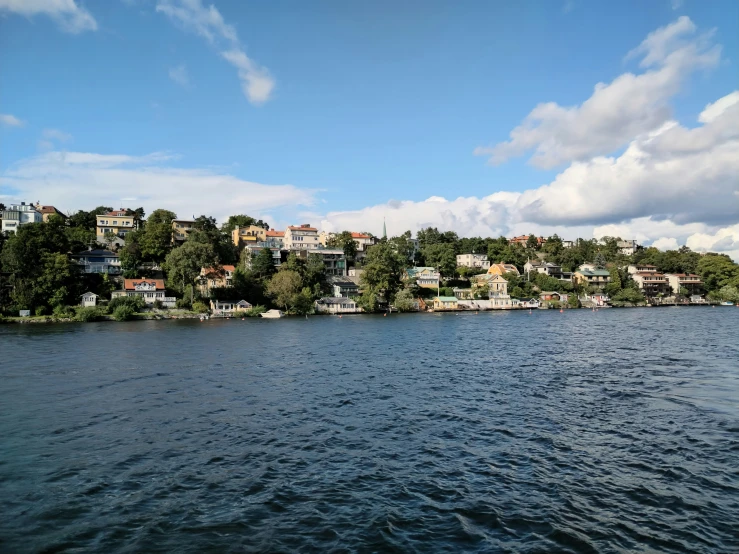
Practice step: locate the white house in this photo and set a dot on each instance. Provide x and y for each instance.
(498, 293)
(337, 306)
(473, 260)
(89, 300)
(528, 303)
(228, 307)
(151, 290)
(16, 215)
(303, 237)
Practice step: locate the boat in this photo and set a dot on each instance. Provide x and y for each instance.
(727, 303)
(273, 314)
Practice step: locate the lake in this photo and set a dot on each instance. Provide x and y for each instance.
(608, 431)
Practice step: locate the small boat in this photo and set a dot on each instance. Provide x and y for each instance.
(727, 303)
(273, 314)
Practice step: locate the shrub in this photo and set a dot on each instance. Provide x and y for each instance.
(41, 310)
(199, 307)
(183, 304)
(63, 311)
(254, 311)
(158, 304)
(136, 303)
(404, 301)
(123, 313)
(88, 314)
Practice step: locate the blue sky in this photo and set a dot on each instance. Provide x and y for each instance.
(366, 103)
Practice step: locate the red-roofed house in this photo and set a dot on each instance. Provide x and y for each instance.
(362, 240)
(215, 277)
(275, 239)
(48, 211)
(303, 237)
(150, 290)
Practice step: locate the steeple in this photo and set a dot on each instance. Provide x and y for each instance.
(384, 229)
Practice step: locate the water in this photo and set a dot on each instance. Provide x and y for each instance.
(615, 431)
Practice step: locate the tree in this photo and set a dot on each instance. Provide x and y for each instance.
(284, 287)
(600, 261)
(614, 286)
(206, 231)
(109, 238)
(532, 242)
(383, 271)
(183, 264)
(728, 293)
(404, 301)
(346, 242)
(242, 220)
(79, 238)
(262, 263)
(717, 271)
(303, 302)
(442, 257)
(403, 246)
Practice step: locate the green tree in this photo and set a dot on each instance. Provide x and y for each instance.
(442, 257)
(728, 293)
(303, 302)
(383, 271)
(600, 261)
(242, 220)
(404, 301)
(717, 271)
(284, 287)
(532, 242)
(345, 242)
(183, 264)
(262, 263)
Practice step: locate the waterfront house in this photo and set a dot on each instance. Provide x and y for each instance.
(89, 300)
(251, 234)
(215, 277)
(688, 281)
(547, 268)
(550, 296)
(501, 268)
(463, 294)
(333, 259)
(229, 307)
(303, 237)
(597, 298)
(16, 215)
(442, 303)
(98, 261)
(652, 283)
(498, 293)
(151, 290)
(116, 223)
(592, 277)
(343, 287)
(330, 305)
(425, 277)
(181, 229)
(479, 261)
(528, 303)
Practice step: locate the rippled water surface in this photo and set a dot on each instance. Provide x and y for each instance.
(609, 431)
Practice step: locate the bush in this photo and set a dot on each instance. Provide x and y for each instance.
(404, 301)
(136, 303)
(158, 304)
(199, 307)
(183, 304)
(254, 311)
(88, 314)
(41, 310)
(629, 295)
(123, 313)
(63, 311)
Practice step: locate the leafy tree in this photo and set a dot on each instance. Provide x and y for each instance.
(532, 242)
(346, 242)
(383, 271)
(284, 288)
(717, 271)
(206, 231)
(262, 264)
(123, 313)
(109, 238)
(728, 293)
(183, 264)
(242, 220)
(442, 257)
(369, 300)
(314, 274)
(79, 238)
(600, 261)
(573, 301)
(403, 246)
(303, 302)
(615, 285)
(629, 295)
(404, 301)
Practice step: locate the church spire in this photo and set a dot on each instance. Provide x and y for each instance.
(384, 229)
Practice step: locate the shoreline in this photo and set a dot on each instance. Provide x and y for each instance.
(179, 316)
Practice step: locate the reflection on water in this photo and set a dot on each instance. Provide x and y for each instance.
(612, 431)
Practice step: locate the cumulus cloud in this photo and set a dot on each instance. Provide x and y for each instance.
(179, 75)
(616, 112)
(70, 17)
(50, 138)
(8, 120)
(81, 180)
(724, 240)
(207, 22)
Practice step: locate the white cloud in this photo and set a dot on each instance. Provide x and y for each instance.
(677, 4)
(616, 112)
(179, 75)
(56, 135)
(207, 22)
(665, 243)
(724, 240)
(8, 120)
(81, 180)
(70, 17)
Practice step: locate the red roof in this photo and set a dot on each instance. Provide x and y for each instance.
(273, 233)
(360, 236)
(49, 210)
(116, 213)
(130, 284)
(301, 228)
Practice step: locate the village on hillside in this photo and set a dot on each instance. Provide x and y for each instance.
(107, 262)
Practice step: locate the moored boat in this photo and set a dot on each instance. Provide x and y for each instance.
(273, 314)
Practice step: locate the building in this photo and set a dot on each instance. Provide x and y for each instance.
(275, 239)
(651, 282)
(549, 296)
(362, 240)
(691, 282)
(425, 277)
(442, 303)
(528, 303)
(547, 268)
(342, 287)
(89, 300)
(248, 235)
(591, 277)
(229, 307)
(98, 261)
(16, 215)
(304, 237)
(333, 259)
(479, 261)
(498, 293)
(48, 211)
(568, 244)
(181, 229)
(337, 305)
(463, 294)
(117, 223)
(255, 249)
(501, 268)
(151, 290)
(627, 247)
(524, 239)
(597, 298)
(215, 277)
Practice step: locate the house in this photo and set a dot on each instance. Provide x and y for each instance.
(501, 268)
(463, 294)
(303, 237)
(641, 268)
(524, 239)
(336, 306)
(691, 282)
(215, 277)
(528, 303)
(550, 296)
(275, 239)
(362, 240)
(568, 244)
(48, 211)
(498, 293)
(592, 277)
(473, 260)
(17, 215)
(333, 259)
(98, 261)
(255, 249)
(588, 266)
(89, 300)
(652, 283)
(228, 307)
(343, 287)
(116, 223)
(597, 298)
(627, 247)
(697, 299)
(547, 268)
(425, 277)
(180, 229)
(151, 290)
(251, 235)
(445, 303)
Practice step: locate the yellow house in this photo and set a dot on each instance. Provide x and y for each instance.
(500, 269)
(180, 229)
(445, 303)
(248, 235)
(116, 222)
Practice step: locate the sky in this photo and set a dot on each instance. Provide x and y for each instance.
(584, 118)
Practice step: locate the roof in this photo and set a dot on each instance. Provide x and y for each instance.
(273, 233)
(528, 299)
(550, 292)
(294, 228)
(683, 275)
(88, 294)
(225, 267)
(115, 213)
(411, 271)
(594, 272)
(49, 210)
(130, 284)
(97, 253)
(342, 282)
(231, 302)
(446, 298)
(332, 300)
(360, 236)
(183, 221)
(643, 265)
(649, 274)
